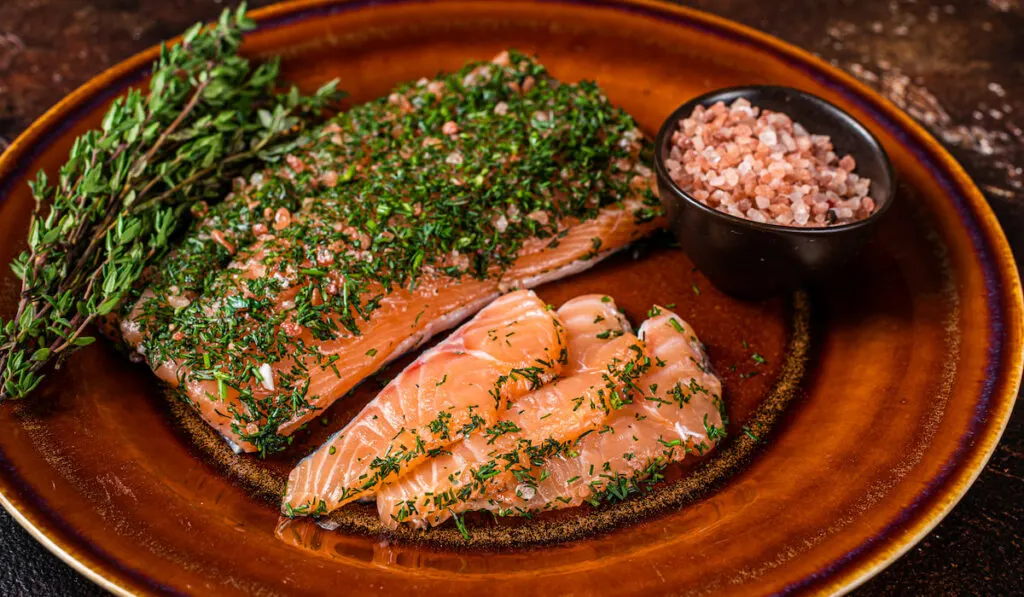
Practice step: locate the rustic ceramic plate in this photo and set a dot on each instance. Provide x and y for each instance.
(881, 399)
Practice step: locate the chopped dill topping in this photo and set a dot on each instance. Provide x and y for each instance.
(384, 197)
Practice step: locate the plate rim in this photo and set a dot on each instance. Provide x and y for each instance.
(116, 78)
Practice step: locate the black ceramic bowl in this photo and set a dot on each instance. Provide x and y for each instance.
(753, 260)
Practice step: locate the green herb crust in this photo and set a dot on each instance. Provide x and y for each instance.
(444, 179)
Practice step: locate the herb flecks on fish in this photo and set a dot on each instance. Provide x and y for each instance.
(126, 188)
(443, 179)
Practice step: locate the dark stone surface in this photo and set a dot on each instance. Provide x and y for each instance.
(958, 67)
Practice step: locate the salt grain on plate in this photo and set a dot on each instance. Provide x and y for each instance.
(762, 166)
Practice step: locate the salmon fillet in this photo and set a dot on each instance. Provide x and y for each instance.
(680, 414)
(604, 362)
(452, 391)
(393, 222)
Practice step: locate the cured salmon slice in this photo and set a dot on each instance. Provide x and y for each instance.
(679, 414)
(450, 392)
(604, 362)
(395, 221)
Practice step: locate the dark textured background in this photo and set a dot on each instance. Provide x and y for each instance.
(958, 67)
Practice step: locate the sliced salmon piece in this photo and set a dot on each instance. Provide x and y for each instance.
(680, 414)
(604, 362)
(451, 391)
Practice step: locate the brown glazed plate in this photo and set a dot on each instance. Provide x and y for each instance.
(881, 398)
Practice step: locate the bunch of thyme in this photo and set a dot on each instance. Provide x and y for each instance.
(209, 115)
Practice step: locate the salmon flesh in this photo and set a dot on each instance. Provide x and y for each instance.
(605, 361)
(392, 222)
(454, 390)
(621, 408)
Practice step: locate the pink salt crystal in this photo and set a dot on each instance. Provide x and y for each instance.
(768, 137)
(731, 154)
(853, 204)
(756, 216)
(282, 218)
(763, 166)
(777, 170)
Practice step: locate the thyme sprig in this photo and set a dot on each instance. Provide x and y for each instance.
(209, 115)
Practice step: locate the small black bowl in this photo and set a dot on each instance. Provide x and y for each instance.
(748, 259)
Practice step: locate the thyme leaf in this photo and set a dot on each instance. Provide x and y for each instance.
(208, 116)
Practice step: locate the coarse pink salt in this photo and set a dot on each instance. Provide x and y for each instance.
(760, 165)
